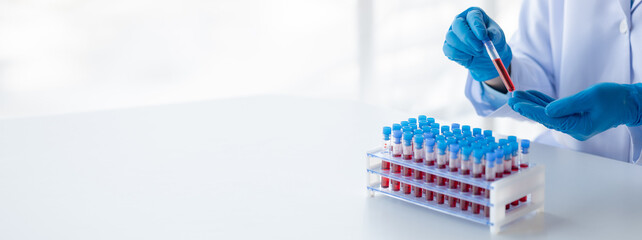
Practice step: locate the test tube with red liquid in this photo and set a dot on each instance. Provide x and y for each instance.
(524, 160)
(396, 152)
(430, 157)
(490, 176)
(454, 159)
(407, 156)
(418, 156)
(465, 167)
(385, 165)
(499, 65)
(499, 163)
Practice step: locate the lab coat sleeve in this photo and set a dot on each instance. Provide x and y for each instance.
(532, 64)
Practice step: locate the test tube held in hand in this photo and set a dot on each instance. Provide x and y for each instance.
(499, 65)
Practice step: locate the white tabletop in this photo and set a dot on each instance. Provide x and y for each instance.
(261, 168)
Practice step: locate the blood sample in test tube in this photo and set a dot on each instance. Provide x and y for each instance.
(430, 158)
(524, 161)
(490, 176)
(407, 156)
(396, 152)
(499, 163)
(385, 165)
(452, 184)
(507, 160)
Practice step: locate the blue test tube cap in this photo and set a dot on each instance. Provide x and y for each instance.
(430, 120)
(507, 153)
(525, 145)
(502, 142)
(467, 133)
(445, 128)
(499, 154)
(434, 125)
(454, 147)
(448, 134)
(422, 123)
(422, 117)
(404, 123)
(463, 142)
(396, 126)
(490, 158)
(477, 131)
(514, 147)
(465, 128)
(466, 151)
(419, 139)
(407, 138)
(412, 126)
(387, 130)
(478, 153)
(430, 142)
(434, 131)
(406, 129)
(397, 135)
(386, 133)
(488, 133)
(490, 139)
(456, 131)
(441, 137)
(476, 145)
(419, 131)
(499, 159)
(512, 139)
(455, 126)
(441, 145)
(493, 145)
(412, 120)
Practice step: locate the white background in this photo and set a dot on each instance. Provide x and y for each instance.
(72, 56)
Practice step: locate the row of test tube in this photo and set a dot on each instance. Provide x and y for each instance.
(457, 149)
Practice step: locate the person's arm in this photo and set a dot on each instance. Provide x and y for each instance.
(532, 64)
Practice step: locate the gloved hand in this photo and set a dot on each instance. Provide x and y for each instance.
(464, 43)
(585, 114)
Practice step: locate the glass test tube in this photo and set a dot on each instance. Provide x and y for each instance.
(452, 184)
(396, 152)
(499, 163)
(490, 176)
(407, 156)
(524, 161)
(418, 158)
(385, 165)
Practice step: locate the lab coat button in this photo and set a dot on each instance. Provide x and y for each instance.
(624, 27)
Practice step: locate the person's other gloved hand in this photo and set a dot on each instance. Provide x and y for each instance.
(464, 43)
(585, 114)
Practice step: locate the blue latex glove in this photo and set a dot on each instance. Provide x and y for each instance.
(464, 43)
(585, 114)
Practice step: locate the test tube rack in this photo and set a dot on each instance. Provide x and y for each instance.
(528, 182)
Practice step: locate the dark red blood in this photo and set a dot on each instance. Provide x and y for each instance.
(395, 186)
(475, 208)
(465, 171)
(384, 182)
(503, 74)
(463, 205)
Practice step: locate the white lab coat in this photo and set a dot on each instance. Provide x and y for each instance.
(563, 47)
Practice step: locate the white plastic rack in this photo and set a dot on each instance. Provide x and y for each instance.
(501, 206)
